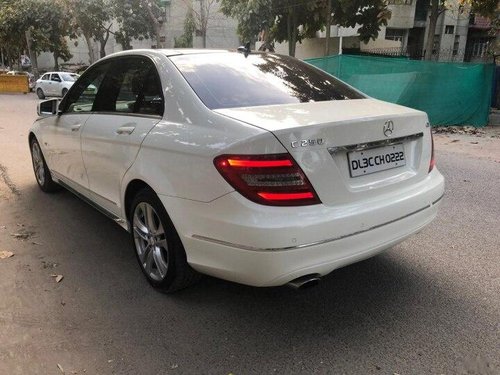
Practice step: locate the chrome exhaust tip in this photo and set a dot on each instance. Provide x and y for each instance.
(305, 281)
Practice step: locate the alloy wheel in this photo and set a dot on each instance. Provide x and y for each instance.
(150, 241)
(38, 165)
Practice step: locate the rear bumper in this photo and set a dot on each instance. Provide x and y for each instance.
(237, 240)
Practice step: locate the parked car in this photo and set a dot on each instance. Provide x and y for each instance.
(31, 77)
(255, 168)
(54, 84)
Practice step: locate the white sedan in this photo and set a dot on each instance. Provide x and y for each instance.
(254, 168)
(54, 84)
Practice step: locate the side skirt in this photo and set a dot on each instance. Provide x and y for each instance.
(121, 222)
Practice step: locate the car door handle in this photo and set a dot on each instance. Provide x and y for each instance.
(125, 130)
(76, 127)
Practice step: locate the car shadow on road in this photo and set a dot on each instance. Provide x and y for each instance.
(378, 307)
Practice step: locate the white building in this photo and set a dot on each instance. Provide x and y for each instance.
(220, 32)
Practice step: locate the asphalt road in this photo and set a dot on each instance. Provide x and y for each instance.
(430, 305)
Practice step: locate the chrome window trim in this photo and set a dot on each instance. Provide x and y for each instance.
(369, 145)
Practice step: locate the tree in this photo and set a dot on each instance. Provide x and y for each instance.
(40, 23)
(138, 19)
(437, 7)
(186, 39)
(92, 19)
(201, 17)
(294, 20)
(491, 10)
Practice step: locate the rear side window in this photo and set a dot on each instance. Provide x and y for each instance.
(229, 80)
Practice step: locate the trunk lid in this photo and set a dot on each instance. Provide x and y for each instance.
(326, 137)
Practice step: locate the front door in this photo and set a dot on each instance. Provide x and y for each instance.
(65, 136)
(130, 105)
(55, 86)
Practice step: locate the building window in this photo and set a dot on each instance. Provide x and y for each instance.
(395, 34)
(449, 29)
(399, 2)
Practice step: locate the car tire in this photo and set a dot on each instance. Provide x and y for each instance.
(42, 173)
(64, 91)
(157, 245)
(40, 93)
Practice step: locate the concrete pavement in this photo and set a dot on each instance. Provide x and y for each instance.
(429, 305)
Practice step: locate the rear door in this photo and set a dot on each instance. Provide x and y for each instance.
(129, 104)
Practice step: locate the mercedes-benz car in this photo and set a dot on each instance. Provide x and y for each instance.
(251, 167)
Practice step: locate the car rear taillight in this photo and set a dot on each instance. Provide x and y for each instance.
(432, 163)
(273, 180)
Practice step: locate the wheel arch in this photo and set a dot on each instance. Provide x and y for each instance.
(31, 136)
(133, 187)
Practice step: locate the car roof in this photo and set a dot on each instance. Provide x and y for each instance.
(60, 73)
(168, 52)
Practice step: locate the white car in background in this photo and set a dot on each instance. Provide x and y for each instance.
(254, 168)
(54, 84)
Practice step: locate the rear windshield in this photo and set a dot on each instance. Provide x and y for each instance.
(229, 80)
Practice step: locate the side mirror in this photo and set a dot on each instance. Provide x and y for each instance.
(48, 107)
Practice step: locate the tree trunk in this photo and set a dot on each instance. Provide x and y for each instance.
(292, 32)
(90, 46)
(433, 17)
(156, 26)
(102, 43)
(203, 23)
(328, 24)
(56, 60)
(125, 43)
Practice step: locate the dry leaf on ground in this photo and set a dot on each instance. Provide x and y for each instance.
(6, 254)
(58, 278)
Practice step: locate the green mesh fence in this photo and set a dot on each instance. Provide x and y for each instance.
(450, 93)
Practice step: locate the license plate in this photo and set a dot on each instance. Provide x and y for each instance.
(376, 159)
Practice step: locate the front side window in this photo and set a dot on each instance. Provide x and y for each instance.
(124, 85)
(83, 94)
(229, 80)
(132, 86)
(55, 78)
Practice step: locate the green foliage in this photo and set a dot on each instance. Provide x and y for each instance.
(89, 16)
(46, 20)
(186, 39)
(486, 8)
(370, 14)
(294, 20)
(136, 19)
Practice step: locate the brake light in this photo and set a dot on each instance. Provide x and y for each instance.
(432, 163)
(273, 180)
